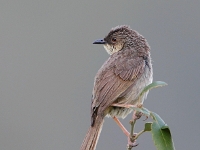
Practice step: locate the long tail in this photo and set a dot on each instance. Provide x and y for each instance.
(92, 136)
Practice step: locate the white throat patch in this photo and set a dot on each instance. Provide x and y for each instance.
(111, 49)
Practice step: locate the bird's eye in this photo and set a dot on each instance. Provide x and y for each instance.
(114, 39)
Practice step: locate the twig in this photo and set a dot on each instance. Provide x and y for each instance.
(137, 135)
(132, 140)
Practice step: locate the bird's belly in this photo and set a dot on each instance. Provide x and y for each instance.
(119, 112)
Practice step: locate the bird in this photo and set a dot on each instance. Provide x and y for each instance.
(120, 80)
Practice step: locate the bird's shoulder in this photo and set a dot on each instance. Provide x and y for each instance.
(125, 65)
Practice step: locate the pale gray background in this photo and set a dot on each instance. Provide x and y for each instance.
(48, 63)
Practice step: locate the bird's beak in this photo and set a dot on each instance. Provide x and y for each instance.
(101, 41)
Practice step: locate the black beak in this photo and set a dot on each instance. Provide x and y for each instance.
(99, 41)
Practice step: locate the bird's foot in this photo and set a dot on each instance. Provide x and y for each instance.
(146, 118)
(132, 141)
(137, 115)
(140, 105)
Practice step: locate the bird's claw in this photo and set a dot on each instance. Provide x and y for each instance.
(132, 144)
(140, 105)
(146, 118)
(137, 115)
(132, 141)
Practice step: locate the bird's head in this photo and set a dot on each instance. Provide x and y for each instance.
(118, 38)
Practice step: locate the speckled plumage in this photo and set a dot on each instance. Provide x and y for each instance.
(120, 79)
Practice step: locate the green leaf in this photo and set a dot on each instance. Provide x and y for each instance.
(147, 126)
(161, 134)
(152, 85)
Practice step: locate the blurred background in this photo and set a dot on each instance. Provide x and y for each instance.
(48, 64)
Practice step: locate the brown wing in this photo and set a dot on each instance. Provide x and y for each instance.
(112, 80)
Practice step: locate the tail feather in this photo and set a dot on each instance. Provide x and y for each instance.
(92, 136)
